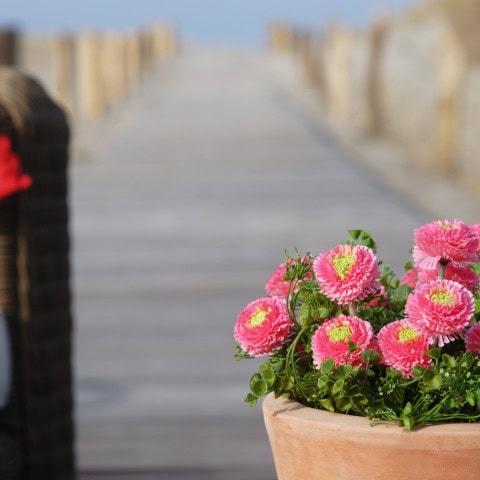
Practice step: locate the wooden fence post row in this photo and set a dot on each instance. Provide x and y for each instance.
(410, 81)
(89, 72)
(36, 426)
(8, 46)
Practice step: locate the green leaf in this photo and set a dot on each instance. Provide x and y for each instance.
(417, 371)
(251, 400)
(338, 386)
(434, 353)
(359, 399)
(327, 404)
(449, 361)
(352, 346)
(277, 364)
(354, 233)
(304, 313)
(432, 379)
(370, 356)
(258, 385)
(287, 382)
(240, 354)
(408, 422)
(343, 371)
(407, 409)
(323, 381)
(344, 404)
(322, 312)
(327, 366)
(471, 399)
(401, 293)
(267, 373)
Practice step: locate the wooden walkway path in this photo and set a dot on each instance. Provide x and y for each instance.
(183, 201)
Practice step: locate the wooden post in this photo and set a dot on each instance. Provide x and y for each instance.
(63, 72)
(113, 71)
(310, 58)
(279, 37)
(451, 75)
(374, 120)
(8, 47)
(164, 42)
(90, 94)
(133, 60)
(338, 51)
(148, 44)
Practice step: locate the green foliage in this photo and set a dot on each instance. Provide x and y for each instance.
(361, 237)
(449, 391)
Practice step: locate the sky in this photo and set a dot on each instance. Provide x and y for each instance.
(205, 21)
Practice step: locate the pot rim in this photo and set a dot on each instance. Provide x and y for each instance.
(292, 410)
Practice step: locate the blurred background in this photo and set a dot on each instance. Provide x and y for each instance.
(208, 136)
(204, 21)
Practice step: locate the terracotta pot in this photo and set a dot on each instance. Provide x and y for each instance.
(309, 444)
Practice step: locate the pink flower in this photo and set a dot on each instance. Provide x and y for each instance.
(347, 273)
(330, 340)
(276, 285)
(444, 240)
(472, 339)
(403, 347)
(410, 278)
(380, 299)
(263, 326)
(440, 309)
(476, 228)
(463, 275)
(12, 179)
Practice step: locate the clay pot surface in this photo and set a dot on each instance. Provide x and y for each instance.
(310, 444)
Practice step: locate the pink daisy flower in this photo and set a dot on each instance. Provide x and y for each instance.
(403, 347)
(472, 339)
(330, 340)
(410, 278)
(440, 309)
(476, 228)
(347, 273)
(463, 275)
(444, 240)
(276, 285)
(263, 326)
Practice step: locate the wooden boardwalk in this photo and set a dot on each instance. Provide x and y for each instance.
(183, 202)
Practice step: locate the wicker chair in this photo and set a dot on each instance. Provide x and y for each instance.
(36, 427)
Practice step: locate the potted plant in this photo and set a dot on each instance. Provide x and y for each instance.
(367, 375)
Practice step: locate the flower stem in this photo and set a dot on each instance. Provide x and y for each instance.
(442, 267)
(352, 309)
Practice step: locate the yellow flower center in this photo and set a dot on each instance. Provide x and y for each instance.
(257, 318)
(448, 226)
(342, 265)
(340, 334)
(407, 335)
(442, 297)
